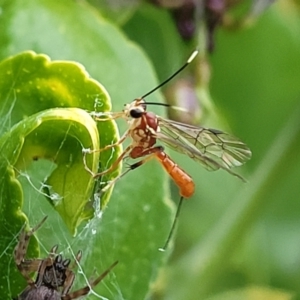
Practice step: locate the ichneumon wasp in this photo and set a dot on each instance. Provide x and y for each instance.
(212, 148)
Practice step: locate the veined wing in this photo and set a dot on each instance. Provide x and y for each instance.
(214, 149)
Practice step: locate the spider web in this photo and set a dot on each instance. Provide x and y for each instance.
(96, 258)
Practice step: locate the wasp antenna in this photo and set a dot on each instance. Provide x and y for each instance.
(193, 55)
(190, 59)
(159, 103)
(179, 108)
(173, 226)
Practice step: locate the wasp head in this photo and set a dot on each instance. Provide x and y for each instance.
(136, 108)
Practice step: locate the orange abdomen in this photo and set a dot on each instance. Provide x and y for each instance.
(180, 177)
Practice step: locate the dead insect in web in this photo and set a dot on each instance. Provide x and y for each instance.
(212, 148)
(54, 278)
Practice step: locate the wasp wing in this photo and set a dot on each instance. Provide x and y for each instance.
(214, 149)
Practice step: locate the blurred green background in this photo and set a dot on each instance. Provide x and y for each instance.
(235, 240)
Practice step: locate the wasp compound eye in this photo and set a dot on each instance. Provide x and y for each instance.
(136, 113)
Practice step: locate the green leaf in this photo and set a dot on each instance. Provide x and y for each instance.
(59, 135)
(31, 83)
